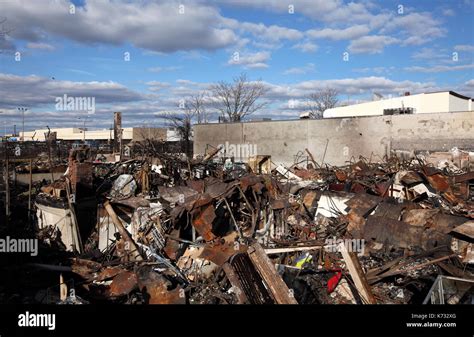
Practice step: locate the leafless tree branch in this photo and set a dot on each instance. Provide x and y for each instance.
(322, 100)
(238, 99)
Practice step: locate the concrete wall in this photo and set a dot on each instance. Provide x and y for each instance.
(345, 137)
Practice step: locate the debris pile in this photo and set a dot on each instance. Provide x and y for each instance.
(167, 229)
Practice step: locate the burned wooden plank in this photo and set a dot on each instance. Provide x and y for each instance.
(358, 275)
(267, 269)
(132, 249)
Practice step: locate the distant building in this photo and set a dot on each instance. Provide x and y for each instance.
(79, 134)
(434, 102)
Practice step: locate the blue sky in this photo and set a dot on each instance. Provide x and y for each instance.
(179, 48)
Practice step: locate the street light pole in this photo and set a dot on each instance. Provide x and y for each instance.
(5, 124)
(23, 110)
(83, 128)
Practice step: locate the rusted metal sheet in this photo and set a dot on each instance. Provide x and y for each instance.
(363, 204)
(419, 217)
(389, 210)
(219, 189)
(357, 188)
(464, 177)
(203, 222)
(108, 273)
(430, 170)
(123, 284)
(411, 178)
(310, 199)
(197, 185)
(392, 232)
(466, 229)
(438, 182)
(461, 190)
(155, 288)
(356, 224)
(336, 187)
(177, 194)
(202, 200)
(341, 175)
(85, 268)
(450, 197)
(133, 202)
(444, 223)
(383, 188)
(222, 252)
(306, 174)
(172, 246)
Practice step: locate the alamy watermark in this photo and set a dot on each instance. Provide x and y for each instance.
(11, 245)
(238, 151)
(351, 245)
(71, 103)
(37, 320)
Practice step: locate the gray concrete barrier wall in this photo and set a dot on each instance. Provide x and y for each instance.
(345, 137)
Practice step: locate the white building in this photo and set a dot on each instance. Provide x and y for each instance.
(78, 134)
(444, 101)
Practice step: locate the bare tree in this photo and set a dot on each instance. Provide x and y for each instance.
(182, 123)
(195, 107)
(238, 99)
(322, 100)
(152, 133)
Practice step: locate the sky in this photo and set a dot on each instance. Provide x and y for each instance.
(144, 58)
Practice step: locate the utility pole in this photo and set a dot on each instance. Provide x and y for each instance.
(23, 110)
(83, 128)
(7, 183)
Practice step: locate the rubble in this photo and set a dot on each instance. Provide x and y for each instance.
(165, 229)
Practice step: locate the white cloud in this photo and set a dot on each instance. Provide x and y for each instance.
(371, 44)
(464, 47)
(164, 69)
(429, 54)
(322, 10)
(339, 34)
(250, 60)
(448, 12)
(306, 47)
(145, 24)
(415, 28)
(376, 70)
(300, 70)
(439, 68)
(40, 45)
(34, 90)
(272, 33)
(157, 85)
(470, 83)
